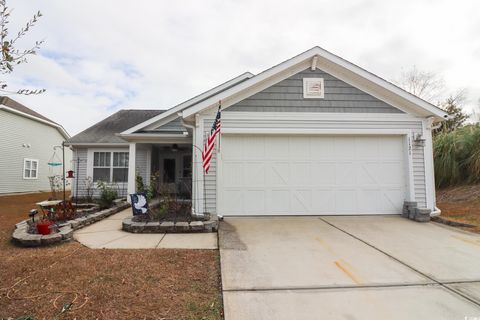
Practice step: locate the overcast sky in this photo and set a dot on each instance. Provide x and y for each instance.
(102, 56)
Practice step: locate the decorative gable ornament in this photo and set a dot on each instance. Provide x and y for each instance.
(313, 88)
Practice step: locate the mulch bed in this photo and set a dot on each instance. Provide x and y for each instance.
(462, 205)
(103, 284)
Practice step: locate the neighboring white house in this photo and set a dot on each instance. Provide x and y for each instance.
(312, 135)
(27, 141)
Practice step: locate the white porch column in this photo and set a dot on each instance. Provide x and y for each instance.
(131, 188)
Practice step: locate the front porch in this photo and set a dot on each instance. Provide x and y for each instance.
(163, 167)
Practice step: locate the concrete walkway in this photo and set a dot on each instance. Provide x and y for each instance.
(107, 234)
(362, 267)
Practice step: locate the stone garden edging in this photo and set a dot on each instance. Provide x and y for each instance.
(169, 226)
(65, 229)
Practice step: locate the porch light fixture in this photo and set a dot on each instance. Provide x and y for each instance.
(419, 140)
(175, 147)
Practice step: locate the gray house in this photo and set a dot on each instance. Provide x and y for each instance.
(27, 141)
(312, 135)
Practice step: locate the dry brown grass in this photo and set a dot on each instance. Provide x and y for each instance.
(461, 204)
(106, 284)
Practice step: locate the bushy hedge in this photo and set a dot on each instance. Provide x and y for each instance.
(457, 156)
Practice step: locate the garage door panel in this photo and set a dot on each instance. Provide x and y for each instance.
(275, 148)
(299, 147)
(278, 174)
(389, 173)
(390, 200)
(346, 173)
(255, 146)
(367, 149)
(302, 201)
(344, 148)
(323, 173)
(233, 150)
(233, 174)
(370, 200)
(392, 148)
(254, 174)
(279, 202)
(254, 202)
(346, 201)
(281, 175)
(301, 174)
(324, 201)
(322, 149)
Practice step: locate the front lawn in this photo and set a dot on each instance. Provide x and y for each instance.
(461, 204)
(103, 284)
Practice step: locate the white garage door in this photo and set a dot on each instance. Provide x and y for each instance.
(311, 175)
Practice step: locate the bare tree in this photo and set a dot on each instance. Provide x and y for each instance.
(11, 55)
(426, 85)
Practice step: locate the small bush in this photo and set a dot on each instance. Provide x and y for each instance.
(457, 156)
(107, 194)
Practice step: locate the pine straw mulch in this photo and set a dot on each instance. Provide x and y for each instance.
(102, 284)
(461, 204)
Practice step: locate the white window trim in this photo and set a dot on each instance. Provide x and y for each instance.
(24, 167)
(90, 153)
(322, 85)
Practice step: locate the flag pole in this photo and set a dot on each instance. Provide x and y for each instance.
(220, 133)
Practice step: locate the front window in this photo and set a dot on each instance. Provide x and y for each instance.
(30, 169)
(110, 166)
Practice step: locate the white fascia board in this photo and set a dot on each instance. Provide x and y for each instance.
(93, 145)
(240, 115)
(328, 58)
(187, 103)
(299, 131)
(63, 132)
(382, 83)
(156, 138)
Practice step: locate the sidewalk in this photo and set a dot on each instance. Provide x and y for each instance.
(108, 234)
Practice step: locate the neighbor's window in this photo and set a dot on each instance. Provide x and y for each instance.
(30, 169)
(110, 166)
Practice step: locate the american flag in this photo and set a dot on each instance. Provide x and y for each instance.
(209, 145)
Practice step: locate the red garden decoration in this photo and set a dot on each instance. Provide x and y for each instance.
(70, 174)
(43, 227)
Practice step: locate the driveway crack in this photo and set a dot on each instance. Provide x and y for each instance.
(403, 263)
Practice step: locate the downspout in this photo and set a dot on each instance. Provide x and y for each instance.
(437, 211)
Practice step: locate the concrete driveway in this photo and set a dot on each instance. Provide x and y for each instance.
(362, 267)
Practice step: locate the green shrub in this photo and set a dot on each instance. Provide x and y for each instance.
(107, 194)
(457, 156)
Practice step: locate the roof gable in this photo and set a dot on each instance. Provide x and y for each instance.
(287, 96)
(332, 64)
(15, 107)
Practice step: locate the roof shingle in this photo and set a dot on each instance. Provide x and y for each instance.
(105, 130)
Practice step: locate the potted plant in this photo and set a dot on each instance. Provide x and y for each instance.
(44, 226)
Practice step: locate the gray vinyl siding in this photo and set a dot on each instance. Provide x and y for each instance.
(287, 96)
(211, 177)
(15, 131)
(141, 163)
(417, 152)
(80, 168)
